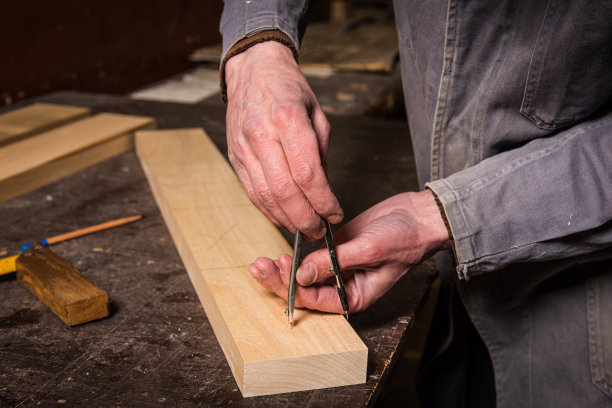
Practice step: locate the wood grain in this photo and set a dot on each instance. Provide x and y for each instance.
(218, 232)
(356, 46)
(56, 283)
(39, 117)
(48, 156)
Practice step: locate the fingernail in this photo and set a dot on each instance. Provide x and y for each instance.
(306, 274)
(254, 271)
(260, 269)
(335, 218)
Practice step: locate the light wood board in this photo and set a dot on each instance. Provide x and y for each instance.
(48, 156)
(356, 46)
(191, 87)
(36, 118)
(218, 232)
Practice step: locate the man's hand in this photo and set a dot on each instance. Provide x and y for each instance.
(374, 250)
(277, 138)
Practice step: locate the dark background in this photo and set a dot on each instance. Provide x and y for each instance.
(98, 46)
(108, 46)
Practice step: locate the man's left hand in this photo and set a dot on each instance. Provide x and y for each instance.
(374, 250)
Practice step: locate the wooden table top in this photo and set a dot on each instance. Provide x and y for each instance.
(157, 347)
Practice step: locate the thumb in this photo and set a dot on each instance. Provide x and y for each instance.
(354, 254)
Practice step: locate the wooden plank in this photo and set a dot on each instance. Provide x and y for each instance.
(357, 46)
(210, 54)
(218, 232)
(71, 296)
(39, 117)
(191, 87)
(41, 159)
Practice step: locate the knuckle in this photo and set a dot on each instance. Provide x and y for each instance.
(304, 302)
(372, 251)
(264, 196)
(266, 199)
(305, 174)
(284, 114)
(325, 131)
(254, 128)
(327, 207)
(315, 302)
(240, 145)
(233, 159)
(311, 228)
(357, 302)
(281, 188)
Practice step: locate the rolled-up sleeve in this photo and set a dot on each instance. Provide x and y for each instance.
(549, 199)
(243, 18)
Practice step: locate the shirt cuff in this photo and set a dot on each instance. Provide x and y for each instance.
(446, 223)
(246, 43)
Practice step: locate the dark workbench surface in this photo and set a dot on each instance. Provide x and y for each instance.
(157, 348)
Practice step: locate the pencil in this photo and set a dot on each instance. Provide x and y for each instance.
(7, 264)
(85, 231)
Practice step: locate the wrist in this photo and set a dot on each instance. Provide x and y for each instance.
(266, 36)
(433, 218)
(264, 52)
(422, 208)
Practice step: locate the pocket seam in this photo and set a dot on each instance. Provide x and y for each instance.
(535, 66)
(596, 357)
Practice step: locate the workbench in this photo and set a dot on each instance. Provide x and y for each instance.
(157, 347)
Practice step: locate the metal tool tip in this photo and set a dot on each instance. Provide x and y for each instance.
(346, 316)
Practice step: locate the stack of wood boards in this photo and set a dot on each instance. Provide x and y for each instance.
(36, 118)
(41, 143)
(218, 232)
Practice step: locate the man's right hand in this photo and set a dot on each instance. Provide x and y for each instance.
(277, 138)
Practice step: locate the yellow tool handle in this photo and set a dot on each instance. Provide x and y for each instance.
(7, 265)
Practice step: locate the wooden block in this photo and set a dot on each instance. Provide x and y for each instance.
(36, 118)
(218, 232)
(46, 157)
(56, 283)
